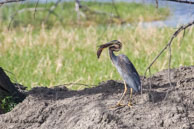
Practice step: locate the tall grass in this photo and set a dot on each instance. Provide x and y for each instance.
(59, 56)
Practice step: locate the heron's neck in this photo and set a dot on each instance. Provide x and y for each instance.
(112, 56)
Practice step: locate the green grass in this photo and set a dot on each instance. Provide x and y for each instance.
(128, 12)
(7, 104)
(58, 56)
(52, 53)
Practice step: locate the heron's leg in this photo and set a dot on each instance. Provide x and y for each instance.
(131, 91)
(119, 102)
(125, 90)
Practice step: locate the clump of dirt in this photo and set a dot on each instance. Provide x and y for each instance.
(60, 108)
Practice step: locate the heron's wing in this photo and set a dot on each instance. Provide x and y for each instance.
(127, 69)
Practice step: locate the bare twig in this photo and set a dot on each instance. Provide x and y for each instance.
(85, 8)
(183, 36)
(182, 1)
(113, 3)
(156, 3)
(10, 1)
(51, 10)
(168, 45)
(36, 8)
(169, 77)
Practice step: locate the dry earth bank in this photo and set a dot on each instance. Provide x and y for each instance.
(60, 108)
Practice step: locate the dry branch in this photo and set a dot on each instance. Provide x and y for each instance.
(51, 11)
(168, 45)
(36, 8)
(156, 3)
(10, 1)
(115, 8)
(182, 1)
(85, 8)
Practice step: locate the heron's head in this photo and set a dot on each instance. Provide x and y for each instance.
(116, 45)
(113, 45)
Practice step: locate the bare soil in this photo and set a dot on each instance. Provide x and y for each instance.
(60, 108)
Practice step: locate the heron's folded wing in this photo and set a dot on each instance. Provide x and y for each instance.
(128, 68)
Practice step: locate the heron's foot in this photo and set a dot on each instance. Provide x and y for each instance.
(129, 105)
(117, 105)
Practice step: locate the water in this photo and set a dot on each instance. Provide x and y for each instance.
(180, 13)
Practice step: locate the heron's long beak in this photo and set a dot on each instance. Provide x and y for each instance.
(101, 47)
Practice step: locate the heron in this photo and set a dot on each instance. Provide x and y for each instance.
(124, 67)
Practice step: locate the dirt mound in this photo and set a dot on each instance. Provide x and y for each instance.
(60, 108)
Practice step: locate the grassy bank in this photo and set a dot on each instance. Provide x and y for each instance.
(65, 14)
(60, 52)
(58, 56)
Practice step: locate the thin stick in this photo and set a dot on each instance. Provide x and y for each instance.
(36, 8)
(115, 8)
(168, 45)
(85, 8)
(51, 10)
(10, 1)
(156, 3)
(181, 1)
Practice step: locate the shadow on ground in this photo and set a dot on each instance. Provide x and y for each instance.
(60, 108)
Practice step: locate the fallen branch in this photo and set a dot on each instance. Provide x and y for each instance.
(85, 8)
(168, 45)
(51, 11)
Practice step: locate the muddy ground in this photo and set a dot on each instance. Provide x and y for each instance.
(60, 108)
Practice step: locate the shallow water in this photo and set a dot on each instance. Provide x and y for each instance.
(180, 13)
